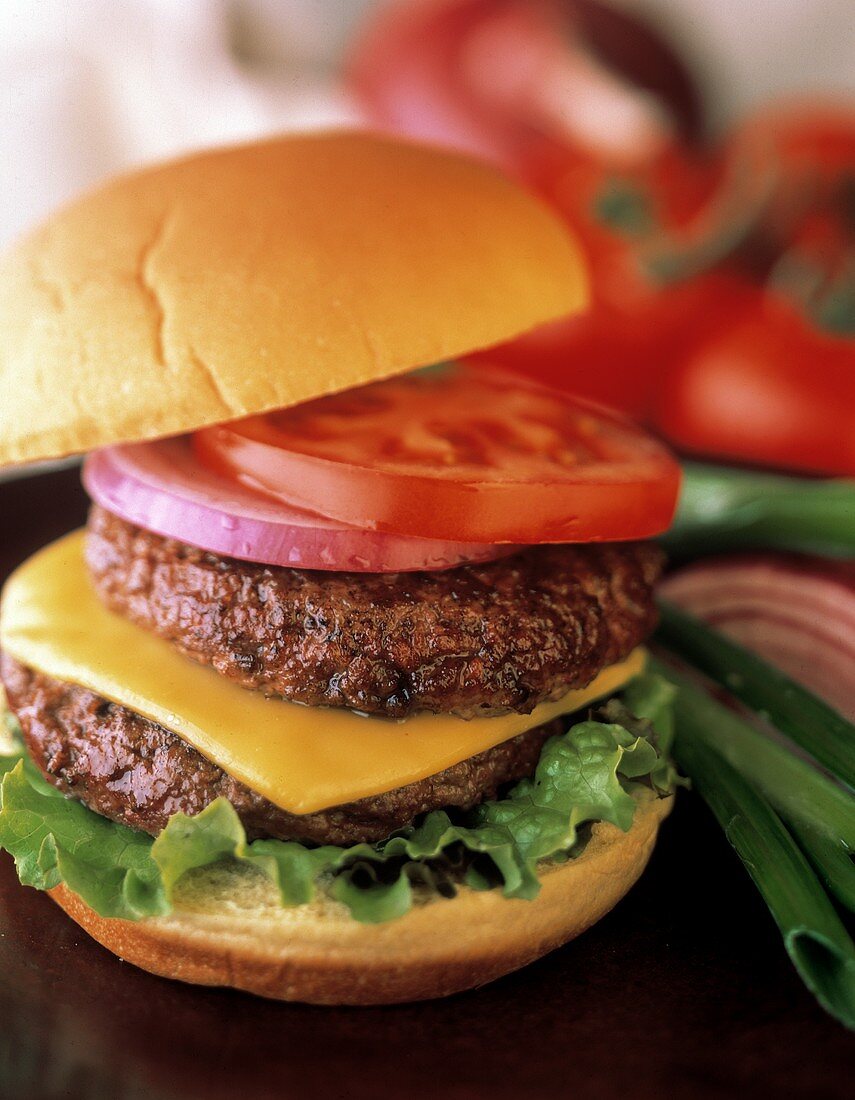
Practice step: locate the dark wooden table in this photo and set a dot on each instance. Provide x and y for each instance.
(683, 991)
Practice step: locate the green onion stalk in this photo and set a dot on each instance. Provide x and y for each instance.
(791, 822)
(791, 708)
(814, 936)
(725, 509)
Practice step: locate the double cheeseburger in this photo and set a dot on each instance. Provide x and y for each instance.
(340, 696)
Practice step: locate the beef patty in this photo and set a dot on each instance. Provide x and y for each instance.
(476, 639)
(133, 771)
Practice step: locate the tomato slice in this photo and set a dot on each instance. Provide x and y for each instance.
(466, 453)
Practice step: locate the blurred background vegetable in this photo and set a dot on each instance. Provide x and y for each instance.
(726, 508)
(723, 266)
(514, 81)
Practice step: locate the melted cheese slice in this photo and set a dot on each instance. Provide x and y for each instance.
(301, 758)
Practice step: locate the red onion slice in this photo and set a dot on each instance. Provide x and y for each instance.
(795, 611)
(162, 487)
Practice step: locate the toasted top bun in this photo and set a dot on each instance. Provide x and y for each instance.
(256, 277)
(228, 928)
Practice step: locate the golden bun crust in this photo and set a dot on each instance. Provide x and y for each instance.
(228, 930)
(251, 278)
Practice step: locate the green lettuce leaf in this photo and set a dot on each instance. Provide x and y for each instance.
(589, 773)
(54, 840)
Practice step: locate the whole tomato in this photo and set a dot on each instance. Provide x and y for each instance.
(617, 358)
(774, 385)
(510, 79)
(591, 108)
(809, 149)
(656, 241)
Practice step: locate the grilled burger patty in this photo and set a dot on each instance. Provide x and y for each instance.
(133, 771)
(476, 639)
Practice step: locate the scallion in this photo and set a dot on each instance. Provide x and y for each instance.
(791, 708)
(796, 789)
(814, 936)
(727, 509)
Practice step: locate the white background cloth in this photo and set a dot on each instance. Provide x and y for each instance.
(93, 86)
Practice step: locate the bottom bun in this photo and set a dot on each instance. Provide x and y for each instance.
(227, 928)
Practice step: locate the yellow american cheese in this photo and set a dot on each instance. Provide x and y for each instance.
(301, 758)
